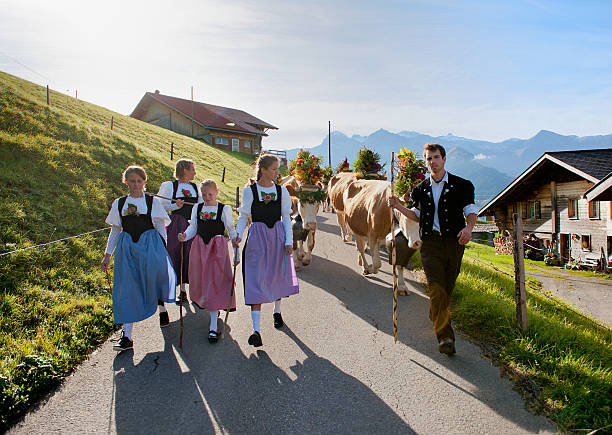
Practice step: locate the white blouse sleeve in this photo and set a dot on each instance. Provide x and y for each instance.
(166, 190)
(192, 229)
(228, 220)
(286, 216)
(244, 210)
(113, 239)
(113, 217)
(158, 212)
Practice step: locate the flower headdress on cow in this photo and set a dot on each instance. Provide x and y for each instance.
(368, 166)
(343, 166)
(410, 171)
(307, 171)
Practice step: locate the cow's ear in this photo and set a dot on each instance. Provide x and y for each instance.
(291, 190)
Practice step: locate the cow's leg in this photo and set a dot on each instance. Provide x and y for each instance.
(310, 242)
(361, 245)
(296, 261)
(402, 290)
(375, 252)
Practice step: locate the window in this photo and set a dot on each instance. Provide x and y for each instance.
(593, 209)
(524, 209)
(247, 144)
(536, 210)
(221, 141)
(572, 208)
(586, 242)
(235, 144)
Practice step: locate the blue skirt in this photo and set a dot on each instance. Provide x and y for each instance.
(143, 275)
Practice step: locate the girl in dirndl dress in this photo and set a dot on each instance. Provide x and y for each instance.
(267, 265)
(210, 272)
(143, 270)
(187, 194)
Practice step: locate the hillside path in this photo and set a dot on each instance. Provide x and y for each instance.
(590, 295)
(333, 368)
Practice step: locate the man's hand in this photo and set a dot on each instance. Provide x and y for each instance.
(465, 235)
(179, 203)
(393, 201)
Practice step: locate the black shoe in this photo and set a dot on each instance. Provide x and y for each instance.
(447, 346)
(181, 298)
(278, 320)
(213, 337)
(164, 320)
(255, 339)
(123, 344)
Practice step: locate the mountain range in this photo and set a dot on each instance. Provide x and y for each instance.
(491, 166)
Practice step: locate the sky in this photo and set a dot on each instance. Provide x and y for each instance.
(488, 70)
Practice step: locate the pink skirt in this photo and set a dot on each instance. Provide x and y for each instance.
(210, 274)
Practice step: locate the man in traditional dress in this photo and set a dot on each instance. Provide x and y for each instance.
(442, 203)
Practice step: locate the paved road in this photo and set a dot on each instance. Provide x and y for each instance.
(589, 295)
(334, 368)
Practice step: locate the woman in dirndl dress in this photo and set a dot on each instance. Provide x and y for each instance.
(210, 273)
(186, 194)
(143, 271)
(267, 266)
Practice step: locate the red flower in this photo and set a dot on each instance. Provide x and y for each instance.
(267, 198)
(205, 215)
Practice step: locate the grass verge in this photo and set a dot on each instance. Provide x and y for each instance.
(568, 355)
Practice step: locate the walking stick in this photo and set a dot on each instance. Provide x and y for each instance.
(393, 256)
(229, 303)
(181, 300)
(108, 280)
(159, 196)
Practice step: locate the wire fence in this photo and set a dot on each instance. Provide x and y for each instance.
(53, 242)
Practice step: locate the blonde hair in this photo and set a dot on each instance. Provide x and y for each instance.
(208, 183)
(181, 166)
(134, 169)
(264, 161)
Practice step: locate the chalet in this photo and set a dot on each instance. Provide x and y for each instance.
(226, 128)
(564, 199)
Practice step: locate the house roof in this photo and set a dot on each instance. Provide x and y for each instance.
(561, 166)
(602, 191)
(207, 115)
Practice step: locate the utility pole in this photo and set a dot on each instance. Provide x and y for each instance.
(329, 142)
(192, 110)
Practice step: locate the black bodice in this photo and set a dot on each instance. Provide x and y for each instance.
(269, 213)
(209, 228)
(135, 225)
(190, 201)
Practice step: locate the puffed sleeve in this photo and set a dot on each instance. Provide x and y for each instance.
(286, 215)
(244, 210)
(166, 190)
(114, 218)
(228, 220)
(192, 229)
(158, 213)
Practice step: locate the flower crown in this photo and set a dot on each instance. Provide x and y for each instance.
(410, 171)
(306, 168)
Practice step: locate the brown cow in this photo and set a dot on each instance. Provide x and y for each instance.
(369, 218)
(335, 190)
(306, 217)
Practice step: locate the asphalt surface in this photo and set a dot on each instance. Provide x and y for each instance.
(333, 368)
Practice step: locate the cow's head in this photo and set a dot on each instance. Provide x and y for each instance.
(410, 229)
(307, 209)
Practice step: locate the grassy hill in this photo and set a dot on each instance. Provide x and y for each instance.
(60, 169)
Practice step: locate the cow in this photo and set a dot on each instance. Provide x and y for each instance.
(305, 220)
(335, 192)
(407, 242)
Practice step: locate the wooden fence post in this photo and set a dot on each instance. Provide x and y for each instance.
(47, 95)
(223, 176)
(171, 150)
(112, 121)
(237, 197)
(519, 273)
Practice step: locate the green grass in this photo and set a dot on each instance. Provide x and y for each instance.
(60, 169)
(566, 353)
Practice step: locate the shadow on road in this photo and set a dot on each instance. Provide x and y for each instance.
(205, 387)
(370, 298)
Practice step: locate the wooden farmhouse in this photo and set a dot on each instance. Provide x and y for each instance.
(564, 200)
(226, 128)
